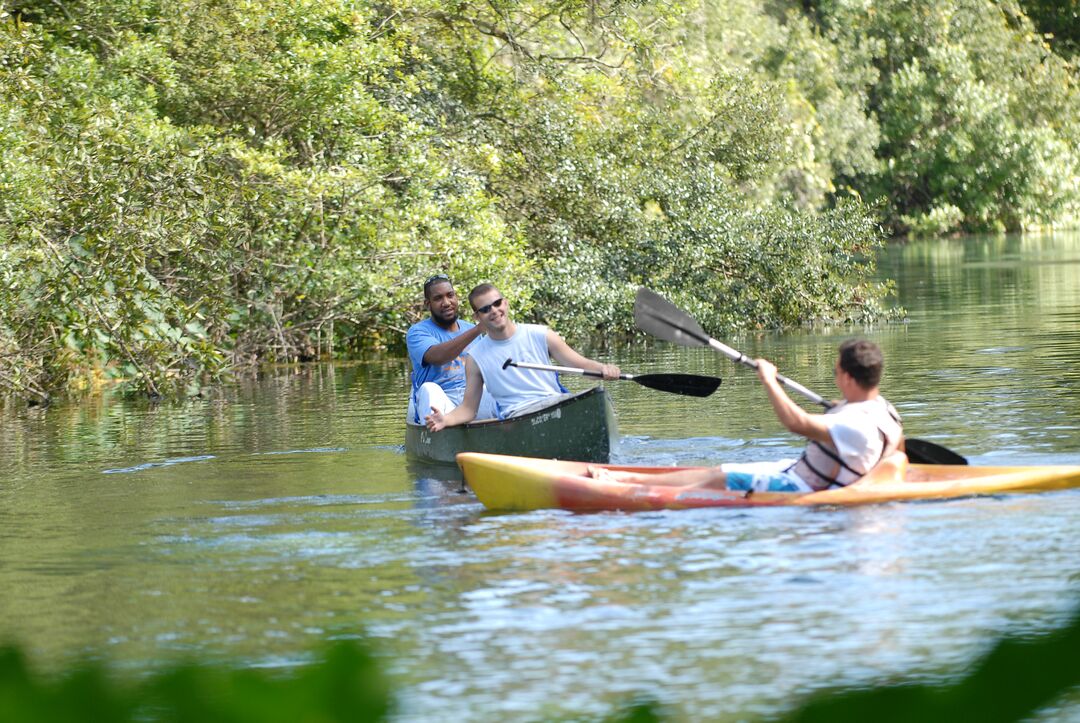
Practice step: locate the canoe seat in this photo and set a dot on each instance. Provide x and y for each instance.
(889, 470)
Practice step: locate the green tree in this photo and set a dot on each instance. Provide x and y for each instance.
(629, 164)
(179, 202)
(978, 116)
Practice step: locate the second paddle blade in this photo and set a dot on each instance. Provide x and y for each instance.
(689, 385)
(921, 451)
(655, 315)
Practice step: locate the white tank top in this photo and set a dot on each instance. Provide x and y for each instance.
(513, 387)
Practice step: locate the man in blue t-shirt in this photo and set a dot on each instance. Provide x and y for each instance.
(437, 349)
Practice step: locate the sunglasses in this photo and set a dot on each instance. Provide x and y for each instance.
(436, 277)
(488, 307)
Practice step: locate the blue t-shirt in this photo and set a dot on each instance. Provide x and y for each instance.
(450, 376)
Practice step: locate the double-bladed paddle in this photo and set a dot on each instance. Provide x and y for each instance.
(689, 385)
(657, 316)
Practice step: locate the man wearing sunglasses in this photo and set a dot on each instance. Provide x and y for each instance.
(515, 390)
(437, 348)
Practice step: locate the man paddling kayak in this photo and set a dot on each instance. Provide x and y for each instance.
(437, 349)
(844, 443)
(515, 391)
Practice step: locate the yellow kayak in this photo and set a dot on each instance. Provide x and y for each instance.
(503, 482)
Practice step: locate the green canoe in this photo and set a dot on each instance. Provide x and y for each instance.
(581, 428)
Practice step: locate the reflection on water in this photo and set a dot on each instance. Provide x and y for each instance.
(250, 526)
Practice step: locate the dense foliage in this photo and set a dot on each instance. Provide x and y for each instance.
(978, 116)
(187, 187)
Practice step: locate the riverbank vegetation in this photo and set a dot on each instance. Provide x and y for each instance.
(191, 187)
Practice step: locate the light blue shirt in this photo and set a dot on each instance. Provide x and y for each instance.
(450, 376)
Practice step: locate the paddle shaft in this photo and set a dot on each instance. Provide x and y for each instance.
(561, 370)
(737, 356)
(690, 385)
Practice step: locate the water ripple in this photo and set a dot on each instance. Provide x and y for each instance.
(163, 463)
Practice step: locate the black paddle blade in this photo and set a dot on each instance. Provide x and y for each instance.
(920, 451)
(689, 385)
(655, 315)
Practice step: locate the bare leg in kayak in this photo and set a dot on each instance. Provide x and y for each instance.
(710, 477)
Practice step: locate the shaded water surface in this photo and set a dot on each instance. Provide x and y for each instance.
(249, 528)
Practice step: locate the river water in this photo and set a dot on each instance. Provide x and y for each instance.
(251, 527)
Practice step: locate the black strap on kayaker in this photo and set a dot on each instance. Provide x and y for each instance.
(829, 479)
(836, 457)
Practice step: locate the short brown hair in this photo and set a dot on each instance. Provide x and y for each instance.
(863, 360)
(480, 289)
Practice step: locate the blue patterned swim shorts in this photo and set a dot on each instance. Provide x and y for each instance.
(764, 477)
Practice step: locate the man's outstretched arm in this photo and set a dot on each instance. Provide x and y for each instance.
(566, 356)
